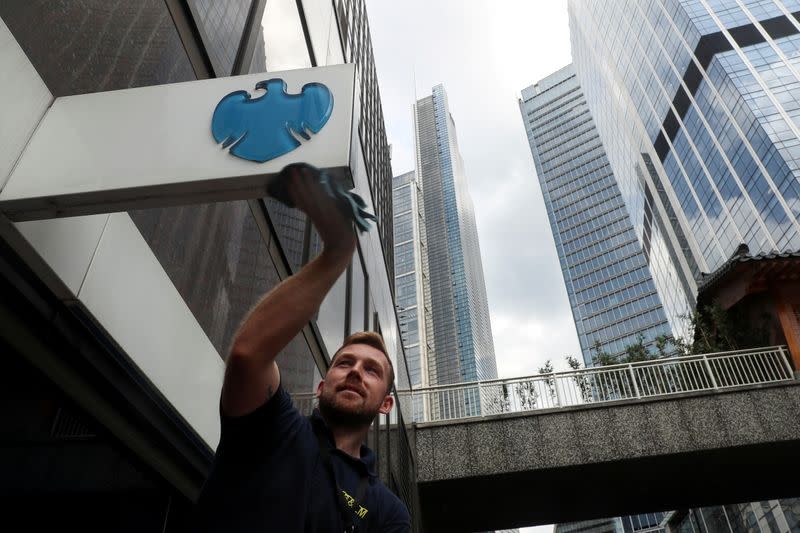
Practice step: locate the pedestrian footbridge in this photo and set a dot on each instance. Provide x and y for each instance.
(616, 440)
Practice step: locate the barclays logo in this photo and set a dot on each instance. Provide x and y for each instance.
(263, 128)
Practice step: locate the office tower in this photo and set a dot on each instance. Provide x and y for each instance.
(780, 516)
(461, 345)
(601, 525)
(125, 388)
(412, 289)
(606, 272)
(643, 523)
(611, 291)
(698, 104)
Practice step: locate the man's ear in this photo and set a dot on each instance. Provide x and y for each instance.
(319, 388)
(386, 406)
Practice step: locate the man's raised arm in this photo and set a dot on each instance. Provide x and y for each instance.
(251, 375)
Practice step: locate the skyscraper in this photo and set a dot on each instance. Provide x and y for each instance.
(606, 272)
(698, 104)
(461, 345)
(780, 516)
(611, 290)
(600, 525)
(411, 280)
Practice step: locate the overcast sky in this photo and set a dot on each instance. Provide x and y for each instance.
(485, 53)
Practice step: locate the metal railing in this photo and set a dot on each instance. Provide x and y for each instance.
(643, 379)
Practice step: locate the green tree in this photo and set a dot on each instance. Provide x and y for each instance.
(618, 384)
(713, 329)
(636, 351)
(601, 357)
(504, 401)
(662, 342)
(547, 369)
(581, 382)
(527, 394)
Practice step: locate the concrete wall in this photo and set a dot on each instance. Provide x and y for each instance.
(639, 456)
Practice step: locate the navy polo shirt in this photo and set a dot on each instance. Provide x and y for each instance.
(268, 475)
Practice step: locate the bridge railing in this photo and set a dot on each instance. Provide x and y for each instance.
(643, 379)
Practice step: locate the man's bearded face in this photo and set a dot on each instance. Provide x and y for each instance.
(355, 390)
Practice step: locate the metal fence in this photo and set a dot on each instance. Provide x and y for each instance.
(644, 379)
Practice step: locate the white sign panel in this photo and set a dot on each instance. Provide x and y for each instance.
(198, 141)
(24, 98)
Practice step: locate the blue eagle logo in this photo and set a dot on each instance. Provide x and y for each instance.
(263, 128)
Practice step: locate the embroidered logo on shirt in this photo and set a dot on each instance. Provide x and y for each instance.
(352, 503)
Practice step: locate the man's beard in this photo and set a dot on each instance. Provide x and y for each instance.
(338, 416)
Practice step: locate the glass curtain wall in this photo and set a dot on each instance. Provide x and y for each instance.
(217, 255)
(606, 272)
(700, 99)
(773, 516)
(698, 102)
(411, 283)
(461, 344)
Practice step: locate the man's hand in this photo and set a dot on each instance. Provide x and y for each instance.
(333, 225)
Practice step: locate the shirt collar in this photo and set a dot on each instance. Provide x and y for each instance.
(367, 460)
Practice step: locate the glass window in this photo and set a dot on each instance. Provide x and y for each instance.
(404, 258)
(791, 510)
(324, 31)
(283, 46)
(290, 225)
(330, 319)
(299, 373)
(403, 228)
(357, 295)
(215, 257)
(149, 52)
(221, 25)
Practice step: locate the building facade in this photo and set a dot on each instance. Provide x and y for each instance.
(411, 281)
(600, 525)
(606, 271)
(461, 347)
(123, 387)
(774, 516)
(698, 105)
(643, 523)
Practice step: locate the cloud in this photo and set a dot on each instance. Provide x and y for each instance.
(485, 54)
(527, 342)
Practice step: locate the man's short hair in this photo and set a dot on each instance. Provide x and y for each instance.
(370, 338)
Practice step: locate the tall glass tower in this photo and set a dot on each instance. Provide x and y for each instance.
(411, 281)
(698, 104)
(606, 272)
(461, 345)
